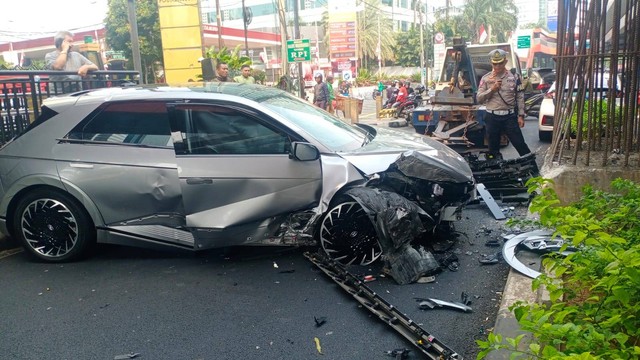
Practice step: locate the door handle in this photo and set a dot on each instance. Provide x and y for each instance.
(199, 181)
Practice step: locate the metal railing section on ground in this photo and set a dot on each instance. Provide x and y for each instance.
(22, 93)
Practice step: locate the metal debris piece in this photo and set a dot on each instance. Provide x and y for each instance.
(509, 251)
(320, 320)
(431, 303)
(399, 354)
(427, 343)
(490, 259)
(490, 202)
(126, 356)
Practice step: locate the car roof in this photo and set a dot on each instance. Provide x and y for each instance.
(253, 92)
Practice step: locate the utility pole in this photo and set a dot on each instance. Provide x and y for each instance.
(135, 45)
(422, 66)
(283, 36)
(296, 36)
(244, 21)
(219, 24)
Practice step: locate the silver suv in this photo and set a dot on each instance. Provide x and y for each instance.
(219, 165)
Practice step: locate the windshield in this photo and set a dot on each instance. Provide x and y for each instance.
(324, 127)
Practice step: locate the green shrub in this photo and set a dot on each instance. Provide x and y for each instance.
(600, 114)
(594, 311)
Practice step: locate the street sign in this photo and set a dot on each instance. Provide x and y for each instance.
(524, 42)
(298, 50)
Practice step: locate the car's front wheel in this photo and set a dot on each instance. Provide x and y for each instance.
(52, 226)
(347, 234)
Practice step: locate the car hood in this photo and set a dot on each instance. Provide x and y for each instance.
(416, 156)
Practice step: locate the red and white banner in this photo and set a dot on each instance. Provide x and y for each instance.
(482, 35)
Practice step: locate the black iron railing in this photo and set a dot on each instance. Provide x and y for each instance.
(22, 93)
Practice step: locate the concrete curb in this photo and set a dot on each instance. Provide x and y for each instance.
(517, 288)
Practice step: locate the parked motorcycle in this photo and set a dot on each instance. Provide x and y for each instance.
(414, 99)
(390, 101)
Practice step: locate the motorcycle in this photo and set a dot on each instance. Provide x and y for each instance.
(414, 99)
(390, 101)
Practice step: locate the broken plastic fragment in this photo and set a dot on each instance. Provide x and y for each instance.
(318, 347)
(398, 353)
(320, 320)
(275, 265)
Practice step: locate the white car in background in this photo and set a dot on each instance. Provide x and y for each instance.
(547, 107)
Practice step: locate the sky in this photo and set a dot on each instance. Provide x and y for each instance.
(27, 19)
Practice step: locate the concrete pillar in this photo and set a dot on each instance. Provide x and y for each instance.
(378, 105)
(353, 110)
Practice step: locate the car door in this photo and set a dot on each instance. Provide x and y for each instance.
(121, 157)
(235, 172)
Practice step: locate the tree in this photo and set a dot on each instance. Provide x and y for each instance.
(499, 17)
(231, 58)
(452, 26)
(118, 33)
(407, 48)
(374, 24)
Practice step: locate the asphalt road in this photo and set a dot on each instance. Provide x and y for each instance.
(244, 303)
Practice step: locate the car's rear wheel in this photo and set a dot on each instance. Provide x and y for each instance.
(544, 135)
(52, 226)
(348, 236)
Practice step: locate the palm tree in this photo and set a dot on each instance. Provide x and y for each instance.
(498, 16)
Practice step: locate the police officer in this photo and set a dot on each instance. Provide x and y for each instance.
(499, 91)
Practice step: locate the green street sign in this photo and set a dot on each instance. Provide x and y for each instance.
(298, 50)
(524, 42)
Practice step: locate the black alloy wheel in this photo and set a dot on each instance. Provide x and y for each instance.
(347, 235)
(52, 226)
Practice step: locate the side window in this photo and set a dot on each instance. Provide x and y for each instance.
(130, 122)
(209, 129)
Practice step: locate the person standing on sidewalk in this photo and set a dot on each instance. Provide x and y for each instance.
(222, 72)
(499, 91)
(64, 59)
(245, 77)
(320, 93)
(332, 95)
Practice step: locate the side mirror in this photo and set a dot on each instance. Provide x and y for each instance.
(304, 152)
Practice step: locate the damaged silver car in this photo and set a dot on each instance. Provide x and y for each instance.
(220, 165)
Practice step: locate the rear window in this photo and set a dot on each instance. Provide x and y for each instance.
(130, 122)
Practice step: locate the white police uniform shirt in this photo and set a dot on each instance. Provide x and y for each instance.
(504, 101)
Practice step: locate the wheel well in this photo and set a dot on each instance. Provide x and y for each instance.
(22, 193)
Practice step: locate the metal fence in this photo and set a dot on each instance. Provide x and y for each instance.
(597, 96)
(22, 93)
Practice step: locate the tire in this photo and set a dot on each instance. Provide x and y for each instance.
(347, 234)
(53, 227)
(545, 135)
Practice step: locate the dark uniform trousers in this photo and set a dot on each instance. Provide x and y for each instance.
(497, 124)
